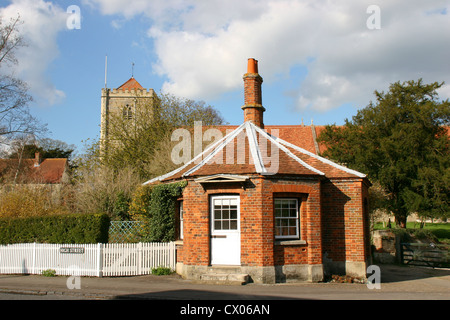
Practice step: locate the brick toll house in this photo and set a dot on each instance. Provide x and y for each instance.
(261, 205)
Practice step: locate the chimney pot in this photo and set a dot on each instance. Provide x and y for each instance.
(252, 66)
(37, 159)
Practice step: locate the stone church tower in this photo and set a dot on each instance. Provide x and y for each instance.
(122, 101)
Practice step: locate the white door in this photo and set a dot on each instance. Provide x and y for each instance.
(225, 230)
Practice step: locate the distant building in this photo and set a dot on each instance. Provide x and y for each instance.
(123, 102)
(37, 171)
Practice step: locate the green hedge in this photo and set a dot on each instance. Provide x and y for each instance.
(70, 229)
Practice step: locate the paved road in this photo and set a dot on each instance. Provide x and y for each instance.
(397, 283)
(178, 299)
(33, 297)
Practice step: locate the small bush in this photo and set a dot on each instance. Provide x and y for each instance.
(140, 202)
(49, 273)
(162, 271)
(24, 201)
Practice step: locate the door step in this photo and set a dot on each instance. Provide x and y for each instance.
(225, 278)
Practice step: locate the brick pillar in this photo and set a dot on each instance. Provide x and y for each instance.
(253, 109)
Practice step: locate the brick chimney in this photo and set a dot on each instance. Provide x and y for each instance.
(253, 109)
(37, 159)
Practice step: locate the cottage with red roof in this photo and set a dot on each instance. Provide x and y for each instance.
(37, 171)
(261, 205)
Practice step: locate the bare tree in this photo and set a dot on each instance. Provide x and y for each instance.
(15, 116)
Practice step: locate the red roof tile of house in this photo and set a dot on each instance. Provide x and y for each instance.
(249, 149)
(299, 135)
(48, 171)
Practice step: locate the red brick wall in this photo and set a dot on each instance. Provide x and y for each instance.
(310, 222)
(339, 221)
(253, 109)
(195, 250)
(345, 224)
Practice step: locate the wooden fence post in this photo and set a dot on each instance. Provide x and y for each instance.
(99, 260)
(33, 266)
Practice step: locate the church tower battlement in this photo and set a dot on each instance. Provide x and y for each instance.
(122, 101)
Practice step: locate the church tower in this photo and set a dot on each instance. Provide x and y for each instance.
(123, 102)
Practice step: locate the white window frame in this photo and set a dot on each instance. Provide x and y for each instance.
(297, 220)
(181, 212)
(225, 197)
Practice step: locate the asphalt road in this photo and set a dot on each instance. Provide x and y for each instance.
(397, 283)
(33, 297)
(175, 298)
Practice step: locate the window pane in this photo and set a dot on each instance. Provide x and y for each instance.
(217, 225)
(226, 214)
(225, 225)
(293, 212)
(286, 218)
(233, 225)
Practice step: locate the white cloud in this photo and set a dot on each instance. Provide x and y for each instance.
(42, 22)
(202, 46)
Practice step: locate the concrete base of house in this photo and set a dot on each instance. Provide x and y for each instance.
(255, 274)
(300, 273)
(350, 268)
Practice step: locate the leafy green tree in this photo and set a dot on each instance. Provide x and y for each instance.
(402, 142)
(48, 148)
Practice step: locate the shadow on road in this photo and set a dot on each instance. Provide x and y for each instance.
(398, 273)
(186, 294)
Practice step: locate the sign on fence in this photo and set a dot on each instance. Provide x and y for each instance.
(91, 259)
(72, 250)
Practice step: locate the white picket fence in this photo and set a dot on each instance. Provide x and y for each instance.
(96, 260)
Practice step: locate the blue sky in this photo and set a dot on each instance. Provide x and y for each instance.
(319, 59)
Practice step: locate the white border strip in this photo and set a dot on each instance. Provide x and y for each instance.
(254, 149)
(223, 143)
(290, 154)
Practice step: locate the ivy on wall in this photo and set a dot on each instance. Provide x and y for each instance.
(155, 205)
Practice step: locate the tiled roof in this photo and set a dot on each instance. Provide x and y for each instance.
(49, 171)
(250, 150)
(131, 84)
(299, 135)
